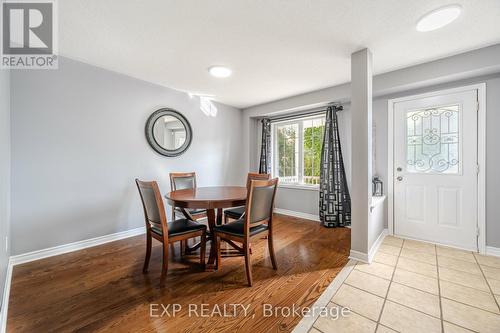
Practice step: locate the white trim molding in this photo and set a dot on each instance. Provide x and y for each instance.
(80, 245)
(376, 245)
(359, 256)
(300, 215)
(493, 251)
(54, 251)
(307, 322)
(368, 258)
(481, 156)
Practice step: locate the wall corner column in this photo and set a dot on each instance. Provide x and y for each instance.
(361, 112)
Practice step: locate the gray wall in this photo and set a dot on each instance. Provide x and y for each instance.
(4, 173)
(78, 143)
(481, 65)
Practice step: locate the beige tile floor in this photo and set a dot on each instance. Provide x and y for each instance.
(418, 287)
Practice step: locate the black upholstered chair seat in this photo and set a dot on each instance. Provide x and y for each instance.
(179, 227)
(237, 228)
(235, 213)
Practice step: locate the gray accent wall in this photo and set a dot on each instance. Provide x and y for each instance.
(477, 66)
(4, 173)
(78, 143)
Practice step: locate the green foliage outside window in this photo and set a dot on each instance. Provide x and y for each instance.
(313, 140)
(287, 137)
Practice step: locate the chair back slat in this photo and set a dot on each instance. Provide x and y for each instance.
(257, 176)
(182, 180)
(152, 203)
(260, 202)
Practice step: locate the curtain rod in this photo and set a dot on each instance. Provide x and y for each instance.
(312, 112)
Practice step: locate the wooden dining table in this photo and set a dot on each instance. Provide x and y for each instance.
(214, 199)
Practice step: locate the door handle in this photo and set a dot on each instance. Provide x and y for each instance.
(399, 178)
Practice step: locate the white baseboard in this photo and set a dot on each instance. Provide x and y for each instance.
(54, 251)
(300, 215)
(359, 256)
(61, 249)
(493, 251)
(377, 244)
(368, 257)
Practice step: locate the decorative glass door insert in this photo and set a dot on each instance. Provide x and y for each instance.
(433, 142)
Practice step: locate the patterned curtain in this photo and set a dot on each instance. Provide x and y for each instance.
(265, 148)
(334, 198)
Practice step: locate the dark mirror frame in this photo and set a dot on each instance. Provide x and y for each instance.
(150, 135)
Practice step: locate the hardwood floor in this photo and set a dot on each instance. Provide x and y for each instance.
(103, 289)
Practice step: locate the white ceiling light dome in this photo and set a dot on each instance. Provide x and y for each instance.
(438, 18)
(219, 71)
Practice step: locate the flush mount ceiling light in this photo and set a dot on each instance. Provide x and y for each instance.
(439, 18)
(219, 71)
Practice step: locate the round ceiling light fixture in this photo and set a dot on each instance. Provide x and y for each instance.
(219, 71)
(438, 18)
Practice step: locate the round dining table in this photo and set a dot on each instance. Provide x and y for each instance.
(213, 199)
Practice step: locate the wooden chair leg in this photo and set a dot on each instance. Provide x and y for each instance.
(148, 252)
(183, 248)
(218, 260)
(203, 247)
(164, 267)
(172, 248)
(172, 245)
(226, 218)
(271, 250)
(248, 263)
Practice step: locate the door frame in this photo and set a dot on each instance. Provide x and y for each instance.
(481, 155)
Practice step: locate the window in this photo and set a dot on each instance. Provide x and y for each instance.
(297, 150)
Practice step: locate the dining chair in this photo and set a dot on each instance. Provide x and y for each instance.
(237, 213)
(159, 228)
(257, 221)
(181, 181)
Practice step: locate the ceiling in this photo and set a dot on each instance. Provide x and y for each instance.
(276, 48)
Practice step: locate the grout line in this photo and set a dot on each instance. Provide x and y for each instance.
(350, 310)
(439, 291)
(465, 328)
(395, 302)
(374, 274)
(440, 297)
(487, 283)
(407, 286)
(422, 275)
(366, 291)
(389, 287)
(409, 307)
(472, 306)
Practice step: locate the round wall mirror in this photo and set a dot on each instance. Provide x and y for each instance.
(168, 132)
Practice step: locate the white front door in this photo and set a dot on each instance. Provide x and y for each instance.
(435, 169)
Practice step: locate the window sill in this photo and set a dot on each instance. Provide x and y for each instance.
(299, 187)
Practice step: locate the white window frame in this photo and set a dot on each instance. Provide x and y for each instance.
(300, 162)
